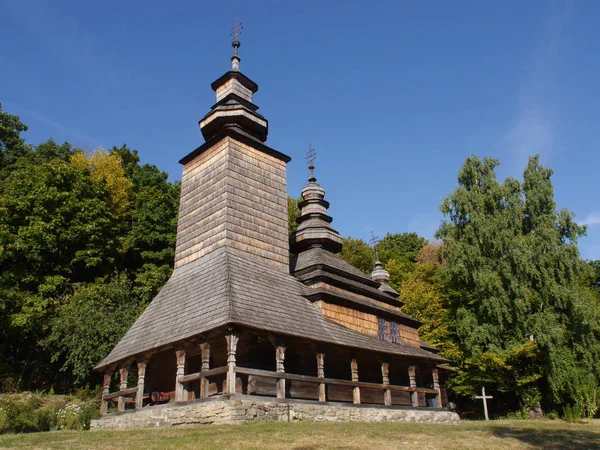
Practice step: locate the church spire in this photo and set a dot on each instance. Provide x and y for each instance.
(379, 274)
(236, 32)
(314, 225)
(235, 109)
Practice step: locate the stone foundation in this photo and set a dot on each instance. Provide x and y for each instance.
(237, 409)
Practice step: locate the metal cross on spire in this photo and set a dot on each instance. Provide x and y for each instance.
(375, 244)
(311, 155)
(236, 32)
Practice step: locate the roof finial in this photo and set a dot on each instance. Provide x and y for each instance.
(311, 155)
(236, 32)
(375, 243)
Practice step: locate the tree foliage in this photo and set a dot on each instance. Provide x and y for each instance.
(524, 322)
(73, 225)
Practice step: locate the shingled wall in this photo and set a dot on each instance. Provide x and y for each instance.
(233, 195)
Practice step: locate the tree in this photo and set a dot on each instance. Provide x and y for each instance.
(358, 253)
(90, 322)
(512, 269)
(12, 145)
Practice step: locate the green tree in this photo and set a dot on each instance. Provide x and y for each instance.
(358, 253)
(523, 322)
(12, 145)
(90, 322)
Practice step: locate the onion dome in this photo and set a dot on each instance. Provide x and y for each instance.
(382, 276)
(314, 225)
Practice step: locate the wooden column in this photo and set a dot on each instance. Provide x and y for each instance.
(232, 341)
(123, 373)
(105, 391)
(139, 396)
(321, 374)
(385, 374)
(279, 361)
(180, 390)
(436, 386)
(205, 351)
(412, 376)
(356, 391)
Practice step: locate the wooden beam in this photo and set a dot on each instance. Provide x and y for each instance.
(321, 374)
(205, 352)
(179, 383)
(203, 374)
(139, 396)
(120, 393)
(385, 375)
(123, 373)
(436, 387)
(105, 391)
(232, 341)
(356, 391)
(412, 376)
(333, 381)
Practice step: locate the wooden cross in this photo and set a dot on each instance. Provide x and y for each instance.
(485, 399)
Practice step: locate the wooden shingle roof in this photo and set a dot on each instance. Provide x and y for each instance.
(227, 287)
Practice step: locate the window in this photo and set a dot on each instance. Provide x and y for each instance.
(381, 328)
(388, 331)
(395, 332)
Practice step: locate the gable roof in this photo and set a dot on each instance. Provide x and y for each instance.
(227, 287)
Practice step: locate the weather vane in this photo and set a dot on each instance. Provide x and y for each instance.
(375, 244)
(311, 155)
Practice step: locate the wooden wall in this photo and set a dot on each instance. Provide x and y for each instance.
(233, 195)
(350, 318)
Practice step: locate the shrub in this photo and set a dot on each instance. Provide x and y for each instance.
(572, 413)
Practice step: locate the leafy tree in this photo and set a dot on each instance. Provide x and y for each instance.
(12, 145)
(90, 322)
(423, 298)
(523, 322)
(358, 253)
(293, 214)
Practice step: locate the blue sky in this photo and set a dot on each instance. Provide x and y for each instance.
(393, 95)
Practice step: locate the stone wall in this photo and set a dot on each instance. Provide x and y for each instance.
(242, 408)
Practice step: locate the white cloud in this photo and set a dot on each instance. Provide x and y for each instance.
(592, 219)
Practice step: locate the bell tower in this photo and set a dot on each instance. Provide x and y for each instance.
(233, 187)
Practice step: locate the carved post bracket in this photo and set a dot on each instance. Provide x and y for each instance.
(436, 386)
(179, 385)
(108, 373)
(141, 372)
(123, 374)
(321, 374)
(232, 340)
(385, 375)
(205, 352)
(356, 390)
(412, 376)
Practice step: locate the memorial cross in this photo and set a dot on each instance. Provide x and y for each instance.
(485, 399)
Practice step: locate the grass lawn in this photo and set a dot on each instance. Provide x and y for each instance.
(308, 435)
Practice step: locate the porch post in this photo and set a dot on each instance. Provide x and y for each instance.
(105, 391)
(356, 391)
(232, 341)
(321, 374)
(385, 374)
(412, 376)
(179, 386)
(141, 369)
(205, 349)
(123, 373)
(280, 368)
(436, 386)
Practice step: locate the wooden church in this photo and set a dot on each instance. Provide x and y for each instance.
(240, 317)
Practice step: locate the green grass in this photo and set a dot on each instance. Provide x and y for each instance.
(307, 435)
